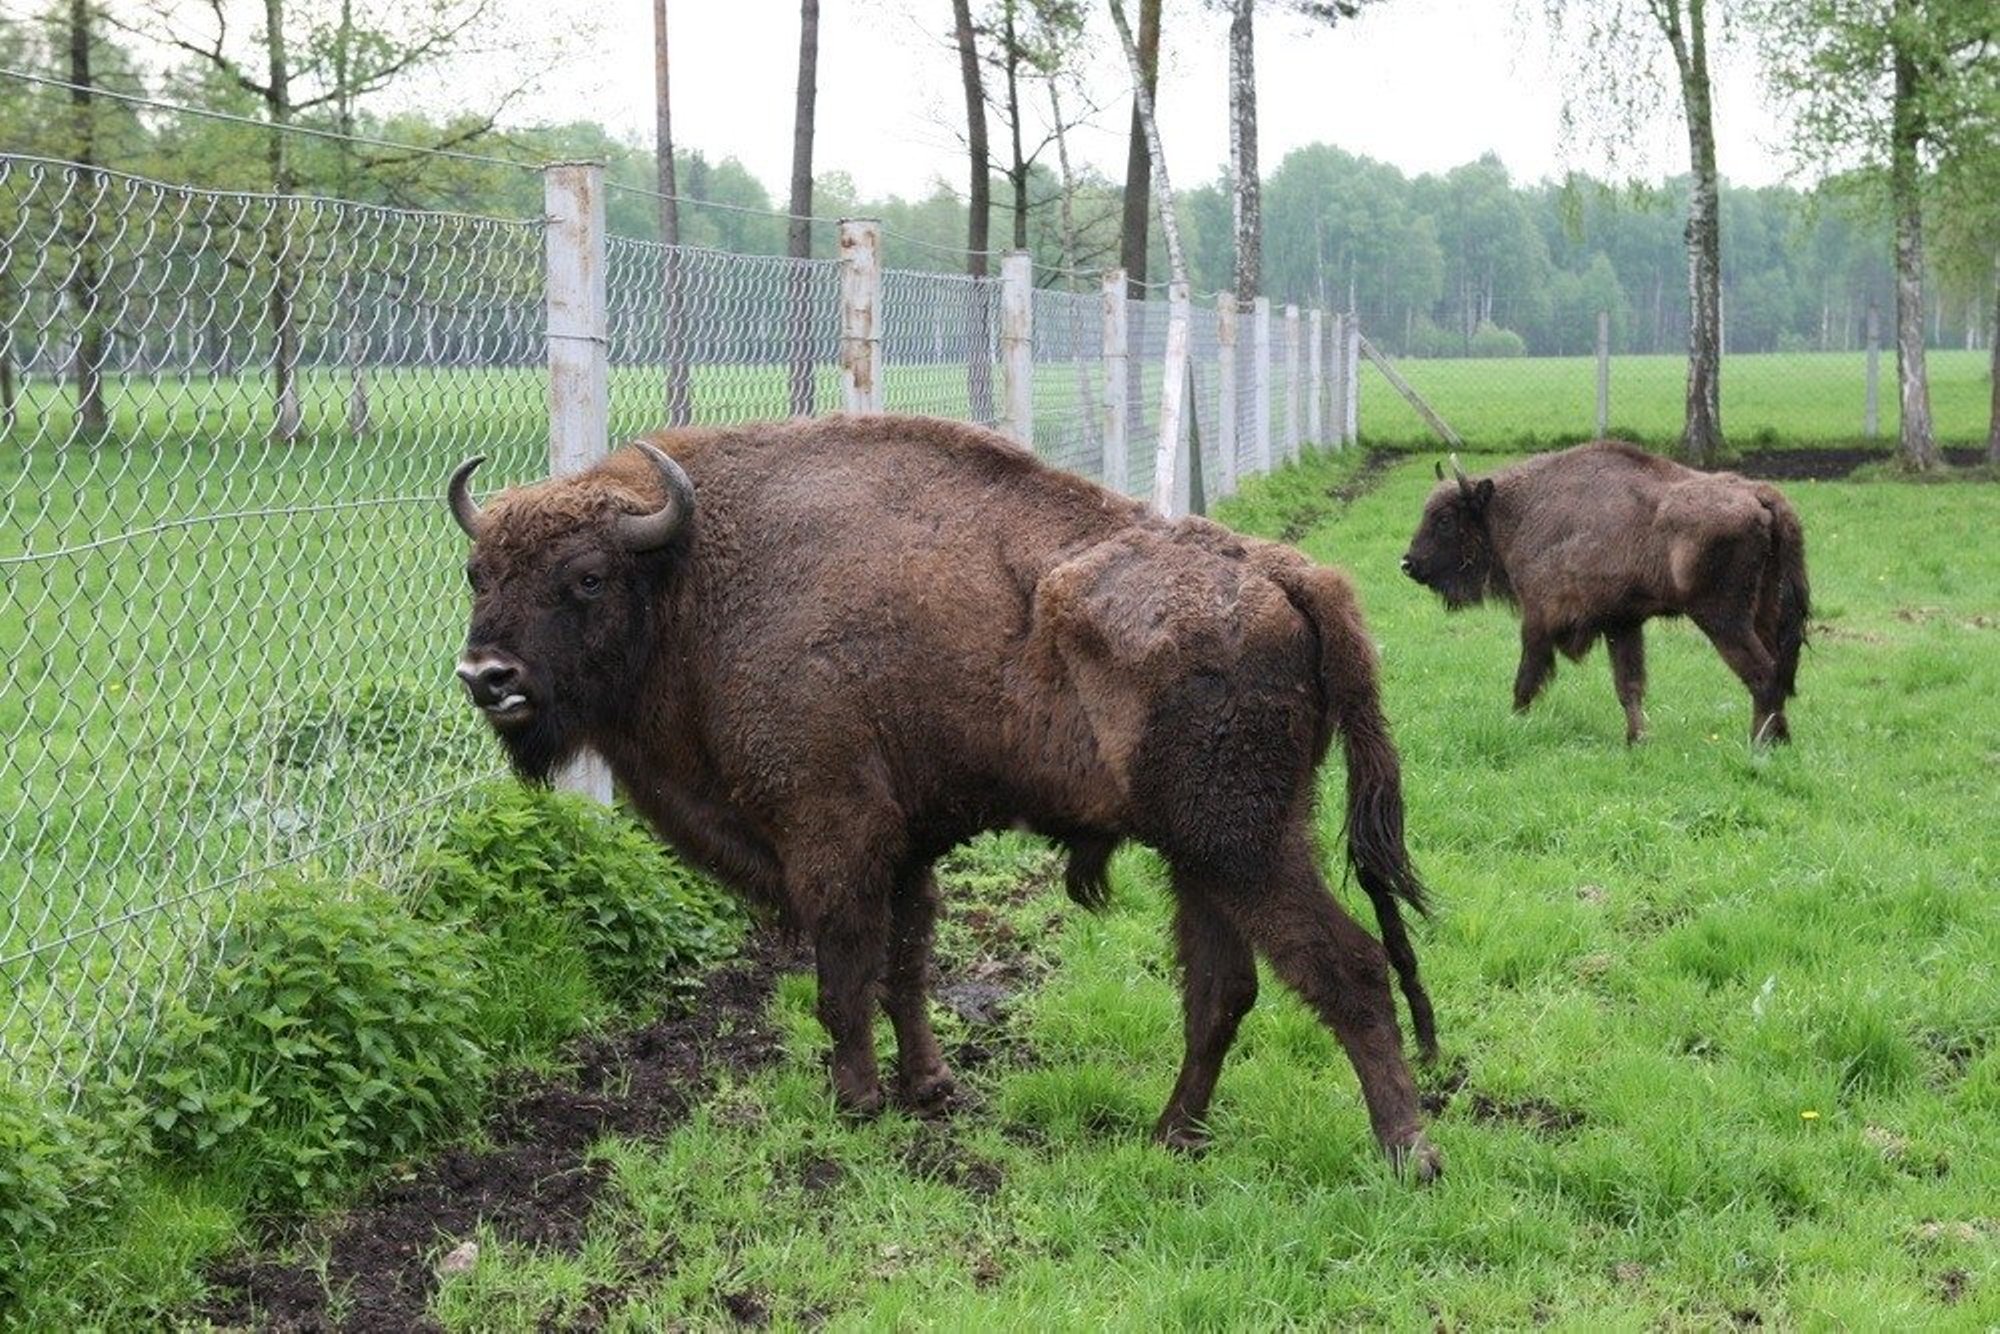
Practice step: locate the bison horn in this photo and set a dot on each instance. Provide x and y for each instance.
(1464, 482)
(463, 507)
(650, 532)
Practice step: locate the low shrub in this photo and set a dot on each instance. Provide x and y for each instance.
(54, 1165)
(523, 859)
(336, 1029)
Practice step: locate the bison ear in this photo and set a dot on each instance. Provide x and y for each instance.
(1482, 495)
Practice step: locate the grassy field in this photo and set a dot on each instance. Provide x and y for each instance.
(1719, 1027)
(1768, 399)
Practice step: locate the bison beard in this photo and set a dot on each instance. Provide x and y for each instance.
(883, 635)
(1593, 542)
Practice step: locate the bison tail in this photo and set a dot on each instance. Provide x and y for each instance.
(1374, 833)
(1788, 551)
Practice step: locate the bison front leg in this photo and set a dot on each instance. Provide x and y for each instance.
(1627, 647)
(924, 1080)
(1538, 659)
(1218, 987)
(848, 946)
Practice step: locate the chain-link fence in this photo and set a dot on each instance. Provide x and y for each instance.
(228, 592)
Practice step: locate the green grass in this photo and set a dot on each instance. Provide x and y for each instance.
(1743, 1008)
(1768, 399)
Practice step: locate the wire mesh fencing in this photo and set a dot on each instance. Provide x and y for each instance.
(229, 596)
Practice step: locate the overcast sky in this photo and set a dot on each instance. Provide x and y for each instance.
(1424, 84)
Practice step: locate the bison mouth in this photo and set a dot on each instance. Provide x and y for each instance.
(512, 710)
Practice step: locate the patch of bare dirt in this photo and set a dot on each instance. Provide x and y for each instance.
(533, 1187)
(1364, 479)
(1830, 463)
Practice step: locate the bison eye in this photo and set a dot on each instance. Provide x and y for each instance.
(590, 585)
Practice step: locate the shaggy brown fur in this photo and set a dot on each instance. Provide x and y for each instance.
(879, 636)
(1598, 539)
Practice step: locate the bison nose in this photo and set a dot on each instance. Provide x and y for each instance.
(489, 679)
(1409, 568)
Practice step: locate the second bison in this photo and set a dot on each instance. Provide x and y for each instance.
(1597, 540)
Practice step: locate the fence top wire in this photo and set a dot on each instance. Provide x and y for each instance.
(329, 203)
(311, 131)
(718, 206)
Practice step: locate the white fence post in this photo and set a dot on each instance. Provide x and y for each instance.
(1603, 372)
(579, 361)
(1871, 410)
(1336, 387)
(1225, 388)
(1169, 483)
(1260, 380)
(1114, 381)
(860, 314)
(1315, 380)
(1350, 432)
(1292, 414)
(1017, 347)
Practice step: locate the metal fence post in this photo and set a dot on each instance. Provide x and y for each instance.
(1315, 380)
(1350, 432)
(1113, 406)
(1260, 380)
(860, 314)
(1169, 483)
(1017, 347)
(579, 360)
(1293, 423)
(1603, 372)
(1871, 411)
(1225, 388)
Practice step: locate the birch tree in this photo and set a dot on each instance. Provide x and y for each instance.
(1615, 47)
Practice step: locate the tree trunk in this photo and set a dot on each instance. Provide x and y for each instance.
(979, 362)
(86, 272)
(1139, 160)
(1085, 391)
(1917, 445)
(798, 234)
(1017, 169)
(1701, 435)
(354, 351)
(680, 397)
(286, 415)
(1248, 209)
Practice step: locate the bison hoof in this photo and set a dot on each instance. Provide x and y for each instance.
(1181, 1136)
(929, 1093)
(859, 1104)
(1417, 1158)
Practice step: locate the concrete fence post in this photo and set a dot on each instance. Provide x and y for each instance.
(1115, 370)
(1350, 432)
(1871, 410)
(1260, 381)
(1337, 379)
(1017, 347)
(1169, 480)
(1225, 388)
(1293, 417)
(860, 314)
(1315, 378)
(579, 360)
(1603, 372)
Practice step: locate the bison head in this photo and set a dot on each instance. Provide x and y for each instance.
(1452, 552)
(566, 578)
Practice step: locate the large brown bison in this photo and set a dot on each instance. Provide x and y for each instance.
(1599, 539)
(819, 654)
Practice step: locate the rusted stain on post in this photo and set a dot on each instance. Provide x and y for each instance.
(1225, 388)
(1017, 346)
(1115, 370)
(579, 359)
(860, 314)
